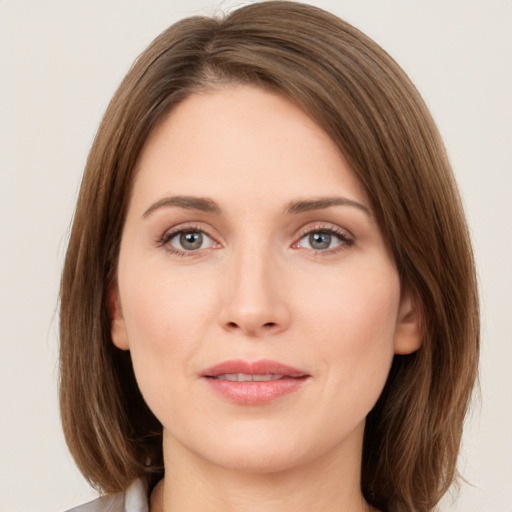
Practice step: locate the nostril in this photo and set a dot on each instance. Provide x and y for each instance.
(267, 325)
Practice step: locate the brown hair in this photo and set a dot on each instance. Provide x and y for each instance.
(368, 106)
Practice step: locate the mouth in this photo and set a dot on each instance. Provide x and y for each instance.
(264, 367)
(247, 377)
(254, 383)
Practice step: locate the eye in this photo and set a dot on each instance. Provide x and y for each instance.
(324, 239)
(188, 240)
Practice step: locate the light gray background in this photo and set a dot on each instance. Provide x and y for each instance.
(60, 62)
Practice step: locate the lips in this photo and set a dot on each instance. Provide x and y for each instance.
(261, 367)
(253, 383)
(247, 377)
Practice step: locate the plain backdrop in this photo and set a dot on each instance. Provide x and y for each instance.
(60, 62)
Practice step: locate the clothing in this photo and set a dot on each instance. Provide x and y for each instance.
(133, 500)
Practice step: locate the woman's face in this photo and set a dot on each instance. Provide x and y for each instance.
(255, 292)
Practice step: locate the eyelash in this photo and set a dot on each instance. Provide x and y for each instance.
(164, 240)
(346, 240)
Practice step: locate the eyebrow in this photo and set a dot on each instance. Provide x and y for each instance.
(306, 205)
(206, 204)
(203, 204)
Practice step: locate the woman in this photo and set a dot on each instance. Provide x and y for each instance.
(275, 298)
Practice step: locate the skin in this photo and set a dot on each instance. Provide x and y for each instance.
(256, 288)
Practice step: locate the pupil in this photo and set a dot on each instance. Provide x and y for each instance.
(320, 240)
(191, 241)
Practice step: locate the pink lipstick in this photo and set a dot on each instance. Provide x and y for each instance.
(254, 383)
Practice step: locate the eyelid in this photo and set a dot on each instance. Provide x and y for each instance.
(346, 237)
(164, 239)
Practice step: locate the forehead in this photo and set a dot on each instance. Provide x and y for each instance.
(242, 142)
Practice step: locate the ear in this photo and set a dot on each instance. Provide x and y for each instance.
(409, 328)
(118, 331)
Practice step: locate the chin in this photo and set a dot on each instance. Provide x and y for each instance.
(260, 459)
(247, 447)
(265, 449)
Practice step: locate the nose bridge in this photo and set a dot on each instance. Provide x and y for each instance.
(254, 300)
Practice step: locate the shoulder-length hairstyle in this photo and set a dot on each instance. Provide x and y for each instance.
(357, 93)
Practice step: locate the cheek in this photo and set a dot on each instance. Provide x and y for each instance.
(166, 317)
(353, 320)
(354, 348)
(160, 305)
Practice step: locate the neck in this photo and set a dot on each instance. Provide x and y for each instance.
(330, 483)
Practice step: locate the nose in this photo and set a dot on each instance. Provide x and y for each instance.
(254, 297)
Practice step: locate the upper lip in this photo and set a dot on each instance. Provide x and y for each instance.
(260, 367)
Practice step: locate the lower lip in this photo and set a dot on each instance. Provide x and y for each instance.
(255, 393)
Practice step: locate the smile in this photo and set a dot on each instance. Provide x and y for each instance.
(246, 377)
(254, 383)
